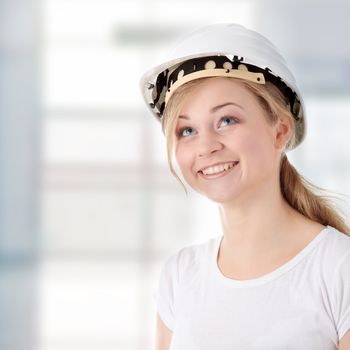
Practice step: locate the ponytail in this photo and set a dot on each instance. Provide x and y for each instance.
(301, 195)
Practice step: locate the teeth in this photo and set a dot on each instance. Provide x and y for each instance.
(217, 169)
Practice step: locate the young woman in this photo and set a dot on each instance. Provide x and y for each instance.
(279, 275)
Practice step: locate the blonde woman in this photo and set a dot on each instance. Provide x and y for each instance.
(278, 277)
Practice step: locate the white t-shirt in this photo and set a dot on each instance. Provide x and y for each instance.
(303, 304)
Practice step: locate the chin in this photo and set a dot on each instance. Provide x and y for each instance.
(219, 197)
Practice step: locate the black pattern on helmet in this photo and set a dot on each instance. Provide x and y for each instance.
(168, 77)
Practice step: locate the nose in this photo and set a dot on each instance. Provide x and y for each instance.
(208, 144)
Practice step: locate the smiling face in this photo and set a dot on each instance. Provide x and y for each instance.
(224, 144)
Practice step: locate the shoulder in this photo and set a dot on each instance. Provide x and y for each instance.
(330, 250)
(335, 256)
(340, 245)
(337, 244)
(188, 260)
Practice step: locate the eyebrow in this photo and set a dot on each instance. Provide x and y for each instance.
(214, 109)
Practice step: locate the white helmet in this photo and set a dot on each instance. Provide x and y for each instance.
(224, 49)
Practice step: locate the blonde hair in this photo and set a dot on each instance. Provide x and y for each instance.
(297, 190)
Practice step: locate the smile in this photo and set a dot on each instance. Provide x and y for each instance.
(217, 169)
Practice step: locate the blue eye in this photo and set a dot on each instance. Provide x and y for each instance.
(227, 121)
(185, 132)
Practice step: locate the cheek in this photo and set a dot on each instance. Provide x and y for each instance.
(257, 146)
(183, 157)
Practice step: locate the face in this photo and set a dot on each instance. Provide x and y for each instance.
(224, 145)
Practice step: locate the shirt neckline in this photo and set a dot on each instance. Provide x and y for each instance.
(271, 275)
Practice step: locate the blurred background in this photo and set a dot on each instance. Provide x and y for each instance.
(88, 208)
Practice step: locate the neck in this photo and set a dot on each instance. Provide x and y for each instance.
(257, 226)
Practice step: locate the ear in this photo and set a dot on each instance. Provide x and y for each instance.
(282, 132)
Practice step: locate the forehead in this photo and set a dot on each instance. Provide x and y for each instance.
(212, 92)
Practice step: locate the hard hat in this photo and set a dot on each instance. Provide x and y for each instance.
(223, 49)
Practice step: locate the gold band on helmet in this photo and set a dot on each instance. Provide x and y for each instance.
(216, 72)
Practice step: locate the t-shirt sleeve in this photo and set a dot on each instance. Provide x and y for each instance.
(164, 295)
(342, 296)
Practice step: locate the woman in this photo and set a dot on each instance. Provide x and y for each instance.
(279, 275)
